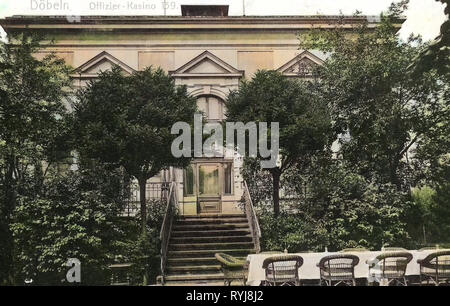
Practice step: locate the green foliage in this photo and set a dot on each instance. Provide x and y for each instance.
(436, 56)
(75, 216)
(431, 159)
(32, 93)
(271, 97)
(363, 214)
(32, 127)
(441, 212)
(126, 120)
(382, 109)
(294, 232)
(143, 249)
(431, 217)
(304, 121)
(259, 181)
(338, 209)
(143, 252)
(424, 197)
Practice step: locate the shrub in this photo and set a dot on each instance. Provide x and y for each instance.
(75, 216)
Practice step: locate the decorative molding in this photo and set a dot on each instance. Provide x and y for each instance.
(85, 70)
(219, 92)
(157, 23)
(206, 65)
(301, 65)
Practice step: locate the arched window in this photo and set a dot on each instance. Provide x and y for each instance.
(213, 107)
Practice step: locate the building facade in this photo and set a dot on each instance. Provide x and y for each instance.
(209, 52)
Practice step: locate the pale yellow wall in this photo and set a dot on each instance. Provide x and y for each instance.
(163, 59)
(67, 56)
(251, 61)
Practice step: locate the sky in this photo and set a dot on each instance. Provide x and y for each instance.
(424, 17)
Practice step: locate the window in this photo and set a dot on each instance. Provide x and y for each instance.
(189, 181)
(212, 107)
(208, 180)
(228, 178)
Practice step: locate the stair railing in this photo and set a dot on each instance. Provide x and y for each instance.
(172, 204)
(252, 218)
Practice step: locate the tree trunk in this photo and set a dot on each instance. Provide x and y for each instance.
(276, 191)
(143, 202)
(393, 177)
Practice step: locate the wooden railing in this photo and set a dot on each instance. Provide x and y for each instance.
(252, 218)
(171, 208)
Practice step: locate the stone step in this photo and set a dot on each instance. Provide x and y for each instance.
(214, 283)
(211, 246)
(190, 261)
(194, 269)
(194, 242)
(207, 221)
(195, 277)
(219, 216)
(208, 253)
(178, 240)
(211, 227)
(211, 233)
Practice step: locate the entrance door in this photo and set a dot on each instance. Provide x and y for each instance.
(209, 188)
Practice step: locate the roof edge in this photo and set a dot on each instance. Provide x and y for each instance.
(18, 22)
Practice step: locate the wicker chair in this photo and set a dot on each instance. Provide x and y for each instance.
(391, 266)
(282, 270)
(338, 270)
(435, 267)
(232, 268)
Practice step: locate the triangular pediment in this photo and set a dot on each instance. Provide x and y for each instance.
(206, 65)
(101, 62)
(301, 66)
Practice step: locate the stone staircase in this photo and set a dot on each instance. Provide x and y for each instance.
(195, 239)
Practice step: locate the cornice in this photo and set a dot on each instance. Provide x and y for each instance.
(174, 23)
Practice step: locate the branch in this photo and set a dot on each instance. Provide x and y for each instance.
(410, 144)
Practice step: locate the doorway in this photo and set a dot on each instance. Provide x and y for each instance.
(208, 182)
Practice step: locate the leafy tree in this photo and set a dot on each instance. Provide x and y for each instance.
(259, 181)
(32, 110)
(421, 216)
(379, 107)
(337, 209)
(432, 153)
(144, 250)
(432, 214)
(441, 213)
(303, 119)
(75, 216)
(362, 213)
(294, 232)
(436, 55)
(126, 121)
(430, 160)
